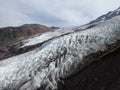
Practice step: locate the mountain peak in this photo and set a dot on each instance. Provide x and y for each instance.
(118, 9)
(107, 16)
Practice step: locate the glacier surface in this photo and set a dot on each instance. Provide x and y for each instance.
(58, 58)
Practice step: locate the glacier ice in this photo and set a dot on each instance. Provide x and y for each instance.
(59, 58)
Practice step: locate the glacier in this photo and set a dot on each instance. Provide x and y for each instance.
(60, 57)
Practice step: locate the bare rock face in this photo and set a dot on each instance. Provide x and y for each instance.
(61, 58)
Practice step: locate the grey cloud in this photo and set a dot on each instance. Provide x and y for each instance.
(62, 13)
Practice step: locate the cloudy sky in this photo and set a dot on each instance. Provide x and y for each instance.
(63, 13)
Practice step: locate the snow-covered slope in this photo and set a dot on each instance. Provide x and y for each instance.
(107, 16)
(59, 58)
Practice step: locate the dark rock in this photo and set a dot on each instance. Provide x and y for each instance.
(54, 28)
(1, 52)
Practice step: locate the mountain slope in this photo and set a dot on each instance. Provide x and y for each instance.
(11, 35)
(22, 32)
(107, 16)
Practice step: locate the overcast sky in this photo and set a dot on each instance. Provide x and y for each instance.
(63, 13)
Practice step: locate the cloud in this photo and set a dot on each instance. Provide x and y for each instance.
(61, 13)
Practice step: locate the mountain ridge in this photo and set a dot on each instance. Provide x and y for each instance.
(107, 16)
